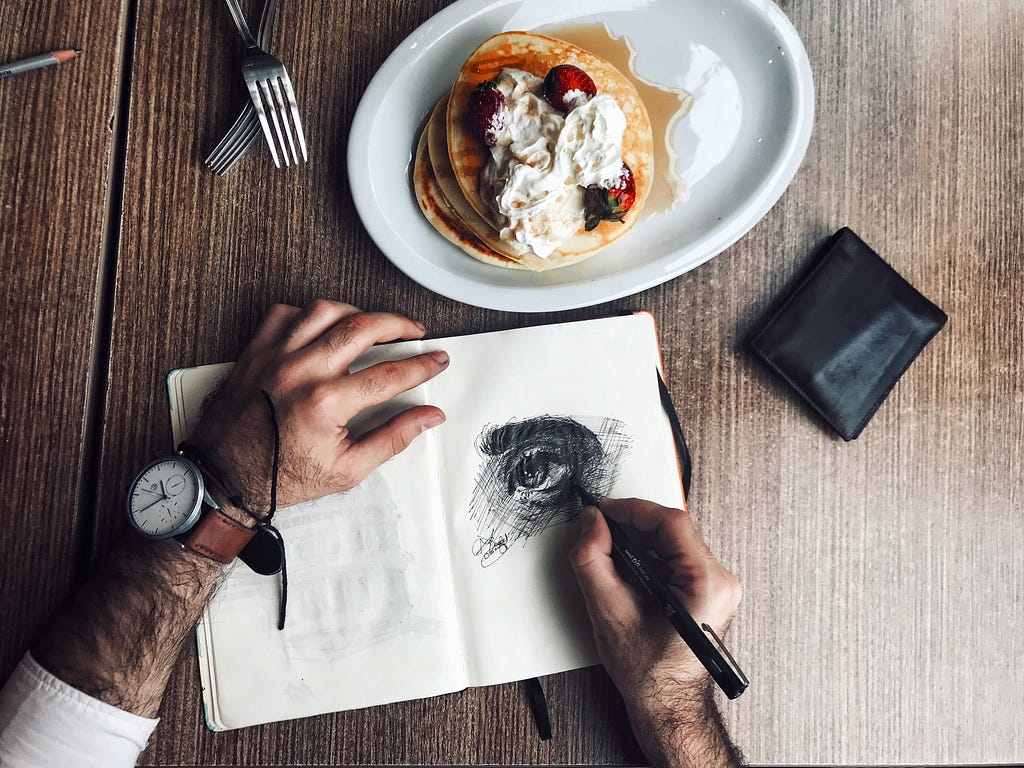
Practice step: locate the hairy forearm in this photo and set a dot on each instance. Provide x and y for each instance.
(682, 728)
(119, 637)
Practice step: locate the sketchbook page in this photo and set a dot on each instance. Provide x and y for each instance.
(371, 611)
(526, 409)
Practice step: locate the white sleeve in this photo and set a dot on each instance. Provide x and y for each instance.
(46, 722)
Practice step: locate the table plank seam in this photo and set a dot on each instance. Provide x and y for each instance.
(89, 467)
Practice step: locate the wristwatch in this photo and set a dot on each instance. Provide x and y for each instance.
(169, 499)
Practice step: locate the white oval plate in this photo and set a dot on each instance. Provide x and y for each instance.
(739, 147)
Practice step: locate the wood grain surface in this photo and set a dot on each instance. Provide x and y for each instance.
(56, 134)
(883, 578)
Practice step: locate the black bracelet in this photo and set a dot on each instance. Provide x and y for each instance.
(265, 522)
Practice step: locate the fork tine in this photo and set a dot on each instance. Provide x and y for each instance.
(230, 162)
(274, 108)
(231, 141)
(219, 150)
(257, 102)
(245, 141)
(242, 137)
(290, 93)
(274, 82)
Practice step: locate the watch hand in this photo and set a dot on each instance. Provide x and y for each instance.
(163, 490)
(147, 490)
(153, 504)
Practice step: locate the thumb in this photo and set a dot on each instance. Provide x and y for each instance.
(607, 596)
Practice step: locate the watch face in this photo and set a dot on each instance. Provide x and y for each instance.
(166, 498)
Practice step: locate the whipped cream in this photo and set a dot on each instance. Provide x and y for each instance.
(542, 160)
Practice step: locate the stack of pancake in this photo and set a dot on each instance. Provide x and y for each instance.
(449, 157)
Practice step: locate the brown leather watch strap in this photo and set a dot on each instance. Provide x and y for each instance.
(218, 537)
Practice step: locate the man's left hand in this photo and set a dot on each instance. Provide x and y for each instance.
(301, 357)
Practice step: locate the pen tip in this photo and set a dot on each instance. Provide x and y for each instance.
(79, 51)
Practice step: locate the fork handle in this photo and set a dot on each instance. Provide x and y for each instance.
(266, 19)
(240, 23)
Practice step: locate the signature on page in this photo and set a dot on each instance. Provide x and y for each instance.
(489, 548)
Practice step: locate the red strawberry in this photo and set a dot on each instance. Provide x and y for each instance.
(566, 87)
(612, 203)
(488, 112)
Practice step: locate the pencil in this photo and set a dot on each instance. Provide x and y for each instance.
(38, 62)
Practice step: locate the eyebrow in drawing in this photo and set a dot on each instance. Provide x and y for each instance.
(525, 481)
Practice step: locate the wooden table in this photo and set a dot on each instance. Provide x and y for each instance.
(882, 620)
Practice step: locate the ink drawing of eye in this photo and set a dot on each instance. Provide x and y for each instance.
(528, 469)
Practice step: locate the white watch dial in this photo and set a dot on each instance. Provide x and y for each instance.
(165, 498)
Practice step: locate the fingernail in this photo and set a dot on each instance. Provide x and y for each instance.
(440, 356)
(433, 420)
(420, 325)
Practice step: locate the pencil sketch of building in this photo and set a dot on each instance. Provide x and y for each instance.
(349, 585)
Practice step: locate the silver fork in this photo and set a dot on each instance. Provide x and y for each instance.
(245, 131)
(270, 89)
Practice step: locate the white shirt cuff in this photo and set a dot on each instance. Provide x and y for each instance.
(46, 722)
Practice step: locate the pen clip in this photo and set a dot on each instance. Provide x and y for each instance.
(725, 654)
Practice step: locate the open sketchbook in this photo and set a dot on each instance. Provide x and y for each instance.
(447, 567)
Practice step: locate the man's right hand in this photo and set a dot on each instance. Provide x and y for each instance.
(667, 691)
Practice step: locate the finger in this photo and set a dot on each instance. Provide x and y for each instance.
(707, 588)
(669, 532)
(348, 339)
(269, 334)
(274, 323)
(314, 321)
(608, 598)
(379, 383)
(388, 440)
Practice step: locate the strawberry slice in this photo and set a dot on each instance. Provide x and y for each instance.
(567, 87)
(609, 203)
(488, 112)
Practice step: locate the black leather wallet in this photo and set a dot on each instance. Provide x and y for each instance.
(847, 333)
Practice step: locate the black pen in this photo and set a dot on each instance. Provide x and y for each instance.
(706, 645)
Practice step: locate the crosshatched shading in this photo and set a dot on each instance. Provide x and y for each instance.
(529, 466)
